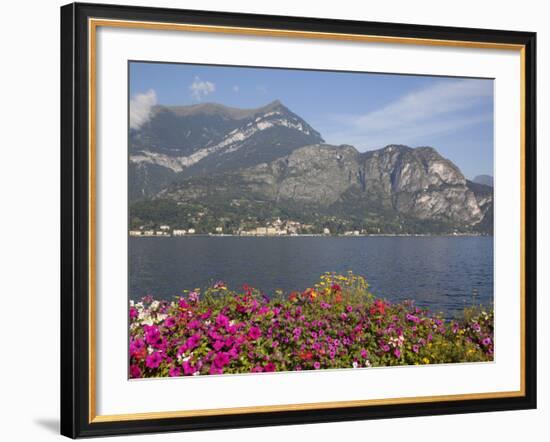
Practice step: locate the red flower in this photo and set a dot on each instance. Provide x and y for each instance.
(379, 307)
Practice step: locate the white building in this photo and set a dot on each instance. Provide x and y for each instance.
(164, 227)
(219, 229)
(179, 232)
(326, 231)
(135, 233)
(191, 231)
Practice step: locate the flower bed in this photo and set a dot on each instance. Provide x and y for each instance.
(335, 324)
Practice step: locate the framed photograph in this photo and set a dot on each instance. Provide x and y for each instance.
(274, 220)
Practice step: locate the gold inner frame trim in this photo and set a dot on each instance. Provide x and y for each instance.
(93, 24)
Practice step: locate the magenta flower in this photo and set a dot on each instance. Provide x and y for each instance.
(215, 370)
(218, 345)
(257, 369)
(136, 345)
(193, 324)
(192, 342)
(349, 308)
(254, 333)
(153, 360)
(416, 348)
(269, 367)
(188, 368)
(221, 360)
(316, 365)
(170, 322)
(486, 341)
(133, 313)
(174, 372)
(135, 371)
(364, 354)
(222, 320)
(183, 304)
(397, 353)
(152, 334)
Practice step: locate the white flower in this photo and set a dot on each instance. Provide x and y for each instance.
(355, 364)
(154, 305)
(367, 363)
(160, 317)
(150, 349)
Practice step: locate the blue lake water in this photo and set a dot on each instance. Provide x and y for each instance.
(438, 272)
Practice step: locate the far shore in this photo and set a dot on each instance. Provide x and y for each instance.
(225, 235)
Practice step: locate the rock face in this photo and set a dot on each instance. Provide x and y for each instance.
(209, 137)
(272, 157)
(417, 183)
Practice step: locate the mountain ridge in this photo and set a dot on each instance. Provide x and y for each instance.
(272, 161)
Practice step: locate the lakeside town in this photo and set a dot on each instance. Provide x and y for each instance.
(276, 228)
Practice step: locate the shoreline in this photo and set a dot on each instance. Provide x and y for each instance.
(315, 235)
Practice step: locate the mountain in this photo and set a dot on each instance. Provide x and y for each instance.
(206, 138)
(208, 164)
(486, 180)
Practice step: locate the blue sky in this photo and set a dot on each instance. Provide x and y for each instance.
(368, 111)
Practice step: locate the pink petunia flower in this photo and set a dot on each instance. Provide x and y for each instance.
(153, 360)
(169, 322)
(174, 372)
(269, 367)
(254, 333)
(133, 313)
(135, 371)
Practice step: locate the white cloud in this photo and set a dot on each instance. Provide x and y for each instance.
(200, 89)
(236, 88)
(440, 108)
(141, 106)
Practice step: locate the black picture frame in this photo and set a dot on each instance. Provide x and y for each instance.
(75, 221)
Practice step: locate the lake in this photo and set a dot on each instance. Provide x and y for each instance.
(438, 271)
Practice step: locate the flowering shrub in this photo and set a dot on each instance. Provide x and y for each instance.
(335, 324)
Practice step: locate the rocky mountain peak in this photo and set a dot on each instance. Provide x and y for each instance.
(272, 159)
